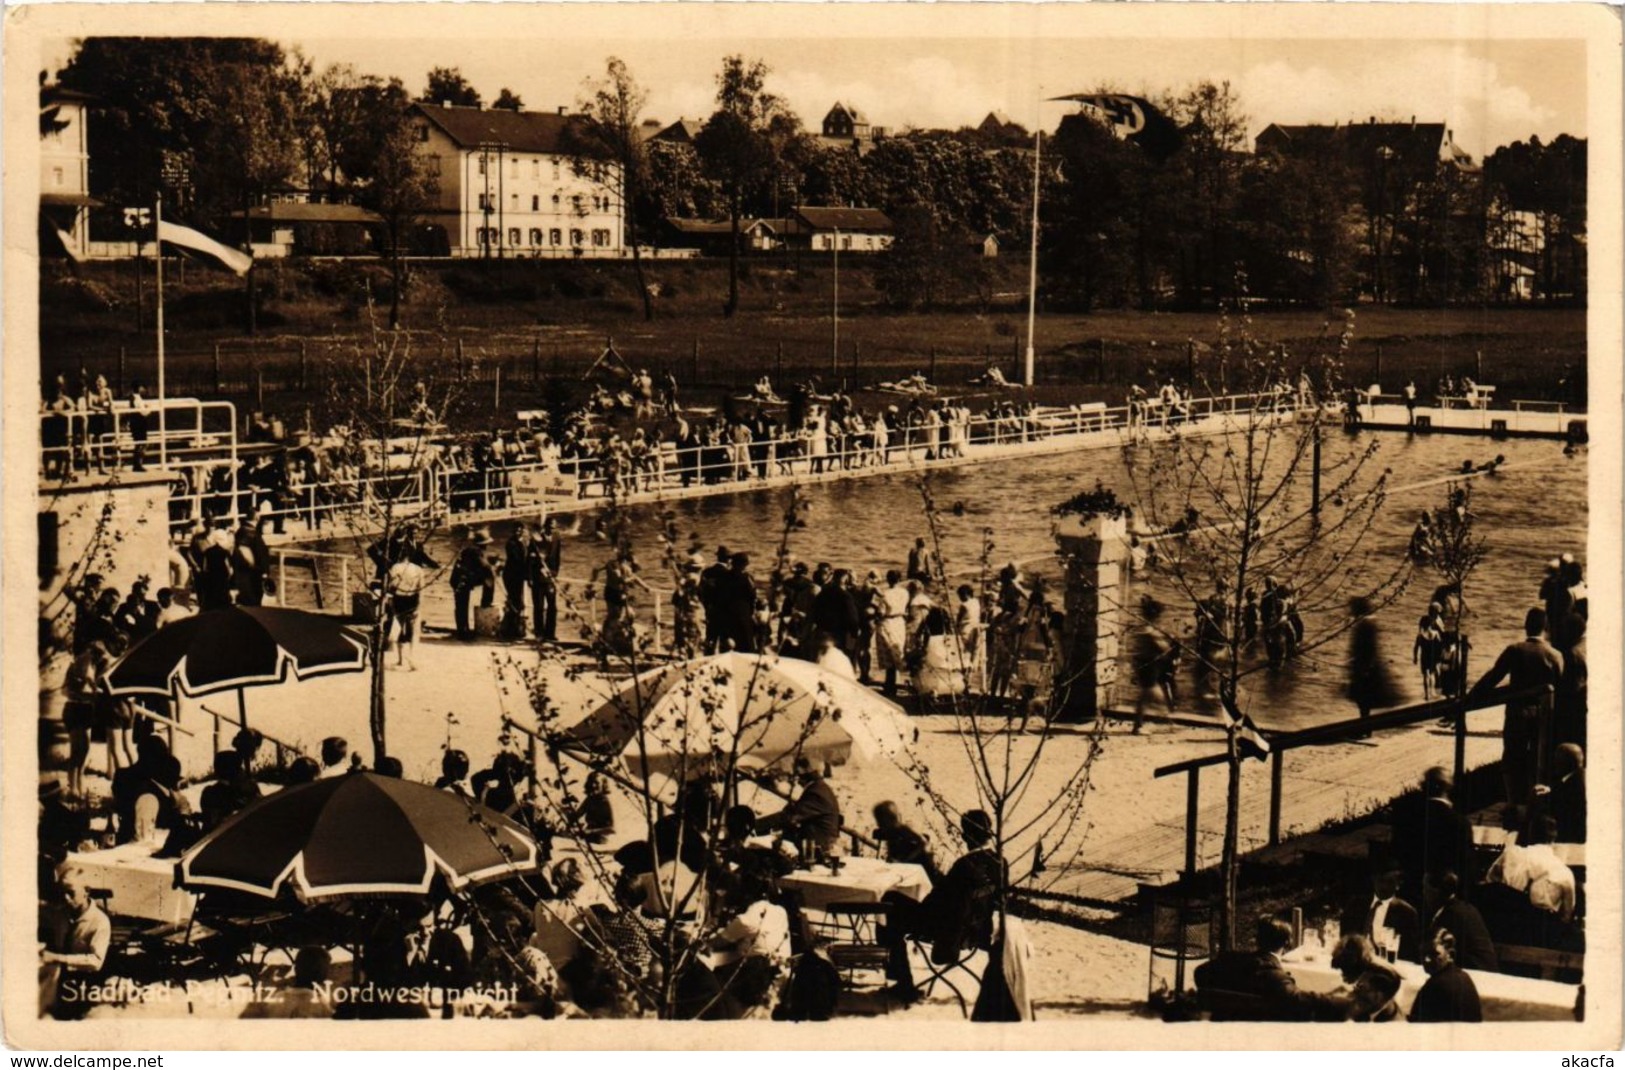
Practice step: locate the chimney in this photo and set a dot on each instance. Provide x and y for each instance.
(561, 109)
(1413, 122)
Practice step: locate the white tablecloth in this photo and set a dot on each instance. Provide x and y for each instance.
(1505, 998)
(141, 886)
(861, 880)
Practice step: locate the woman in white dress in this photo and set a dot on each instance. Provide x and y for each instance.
(818, 446)
(969, 628)
(939, 669)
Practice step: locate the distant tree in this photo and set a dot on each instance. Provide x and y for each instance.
(161, 114)
(446, 85)
(677, 186)
(612, 110)
(508, 100)
(399, 188)
(739, 145)
(1207, 171)
(930, 263)
(1550, 181)
(833, 177)
(1298, 228)
(1089, 243)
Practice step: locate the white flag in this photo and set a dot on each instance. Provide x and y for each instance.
(199, 242)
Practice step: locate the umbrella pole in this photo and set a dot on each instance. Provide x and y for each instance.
(242, 707)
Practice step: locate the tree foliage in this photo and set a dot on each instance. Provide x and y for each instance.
(446, 85)
(211, 119)
(612, 110)
(741, 145)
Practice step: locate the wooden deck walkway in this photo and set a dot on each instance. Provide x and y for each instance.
(1320, 784)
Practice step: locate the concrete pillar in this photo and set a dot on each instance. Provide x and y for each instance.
(1094, 554)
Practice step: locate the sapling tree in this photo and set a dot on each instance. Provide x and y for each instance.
(1246, 495)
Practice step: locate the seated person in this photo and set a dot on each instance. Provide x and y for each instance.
(555, 921)
(1471, 946)
(958, 913)
(1369, 985)
(229, 793)
(300, 999)
(1564, 799)
(454, 766)
(901, 843)
(595, 815)
(814, 815)
(1269, 994)
(669, 886)
(1535, 870)
(1383, 911)
(751, 954)
(77, 934)
(1449, 994)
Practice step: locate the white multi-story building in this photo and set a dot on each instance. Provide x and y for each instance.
(65, 200)
(511, 185)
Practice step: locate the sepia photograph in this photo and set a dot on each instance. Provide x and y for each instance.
(812, 526)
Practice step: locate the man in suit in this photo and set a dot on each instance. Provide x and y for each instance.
(469, 573)
(814, 815)
(1431, 837)
(956, 915)
(1384, 910)
(1257, 974)
(1472, 947)
(1530, 664)
(542, 566)
(515, 571)
(1449, 994)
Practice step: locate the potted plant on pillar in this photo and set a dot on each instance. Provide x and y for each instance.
(1090, 530)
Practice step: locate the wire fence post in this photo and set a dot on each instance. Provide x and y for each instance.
(933, 364)
(304, 367)
(694, 367)
(217, 389)
(121, 369)
(536, 362)
(259, 387)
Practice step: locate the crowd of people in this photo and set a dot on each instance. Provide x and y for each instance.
(698, 900)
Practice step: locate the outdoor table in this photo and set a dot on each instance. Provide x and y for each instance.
(139, 885)
(861, 880)
(1504, 997)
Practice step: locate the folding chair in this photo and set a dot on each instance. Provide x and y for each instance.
(852, 932)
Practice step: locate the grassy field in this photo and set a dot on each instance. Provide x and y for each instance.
(525, 323)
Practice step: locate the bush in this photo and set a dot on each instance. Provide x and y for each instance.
(78, 295)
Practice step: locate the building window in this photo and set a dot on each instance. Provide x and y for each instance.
(482, 164)
(434, 164)
(423, 131)
(555, 169)
(575, 203)
(536, 169)
(515, 202)
(600, 238)
(485, 203)
(535, 202)
(536, 235)
(513, 235)
(516, 168)
(56, 175)
(846, 241)
(575, 237)
(555, 237)
(555, 200)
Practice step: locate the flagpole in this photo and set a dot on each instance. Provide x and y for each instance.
(158, 255)
(1032, 268)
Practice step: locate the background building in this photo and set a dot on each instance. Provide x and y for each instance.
(510, 185)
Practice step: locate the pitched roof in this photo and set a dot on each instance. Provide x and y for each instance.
(683, 131)
(852, 113)
(844, 218)
(516, 131)
(702, 226)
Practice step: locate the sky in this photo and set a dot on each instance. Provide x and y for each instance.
(1490, 90)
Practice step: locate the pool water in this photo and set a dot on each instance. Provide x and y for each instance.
(1531, 510)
